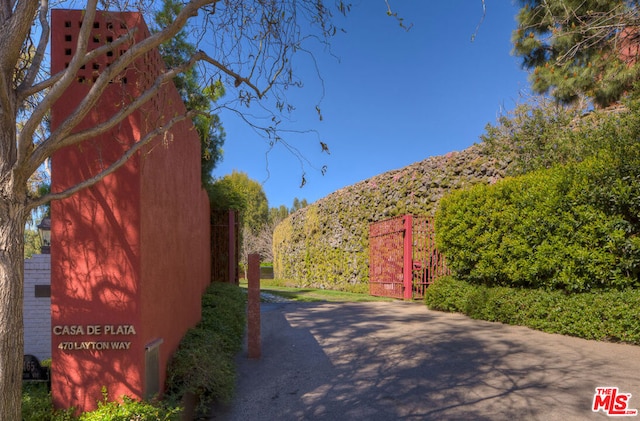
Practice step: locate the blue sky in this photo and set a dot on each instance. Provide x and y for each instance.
(391, 97)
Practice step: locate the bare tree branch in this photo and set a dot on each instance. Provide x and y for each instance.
(484, 15)
(26, 134)
(46, 148)
(260, 93)
(119, 65)
(26, 91)
(136, 147)
(13, 32)
(38, 57)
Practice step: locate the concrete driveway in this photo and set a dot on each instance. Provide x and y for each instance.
(401, 361)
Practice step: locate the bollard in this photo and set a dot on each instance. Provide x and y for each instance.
(253, 298)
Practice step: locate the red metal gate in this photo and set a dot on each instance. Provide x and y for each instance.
(427, 263)
(403, 259)
(386, 257)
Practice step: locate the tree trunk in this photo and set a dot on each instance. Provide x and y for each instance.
(11, 300)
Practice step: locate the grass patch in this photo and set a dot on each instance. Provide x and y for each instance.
(312, 294)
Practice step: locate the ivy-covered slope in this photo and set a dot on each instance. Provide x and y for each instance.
(326, 244)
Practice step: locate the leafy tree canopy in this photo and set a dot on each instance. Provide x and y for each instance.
(579, 48)
(278, 214)
(195, 92)
(298, 204)
(538, 133)
(238, 191)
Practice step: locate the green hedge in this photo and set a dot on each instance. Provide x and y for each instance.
(571, 227)
(204, 364)
(604, 315)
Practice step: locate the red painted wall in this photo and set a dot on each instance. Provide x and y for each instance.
(133, 250)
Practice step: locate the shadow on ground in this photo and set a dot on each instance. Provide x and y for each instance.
(400, 361)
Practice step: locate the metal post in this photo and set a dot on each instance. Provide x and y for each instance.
(253, 298)
(408, 257)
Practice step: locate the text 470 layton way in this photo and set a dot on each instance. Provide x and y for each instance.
(98, 346)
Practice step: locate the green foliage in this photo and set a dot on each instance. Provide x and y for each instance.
(573, 227)
(204, 365)
(540, 134)
(223, 196)
(201, 367)
(43, 189)
(298, 204)
(238, 191)
(603, 315)
(130, 409)
(223, 313)
(276, 215)
(31, 243)
(197, 94)
(548, 229)
(320, 260)
(577, 47)
(326, 244)
(37, 406)
(449, 294)
(212, 137)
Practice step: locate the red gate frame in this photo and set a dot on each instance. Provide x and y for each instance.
(408, 257)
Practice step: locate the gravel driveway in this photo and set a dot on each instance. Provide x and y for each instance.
(401, 361)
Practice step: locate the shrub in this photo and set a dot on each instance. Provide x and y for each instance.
(202, 368)
(573, 228)
(223, 314)
(37, 406)
(203, 365)
(603, 315)
(130, 409)
(539, 133)
(447, 294)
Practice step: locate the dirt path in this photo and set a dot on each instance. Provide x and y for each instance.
(400, 361)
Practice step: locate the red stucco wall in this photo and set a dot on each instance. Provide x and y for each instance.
(173, 234)
(133, 250)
